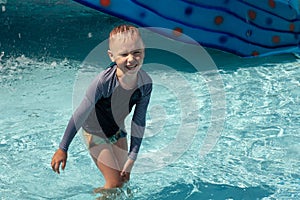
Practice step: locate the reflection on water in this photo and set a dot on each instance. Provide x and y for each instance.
(202, 190)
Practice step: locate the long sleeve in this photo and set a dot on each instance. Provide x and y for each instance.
(138, 123)
(92, 95)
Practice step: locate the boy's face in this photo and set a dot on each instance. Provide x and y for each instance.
(128, 55)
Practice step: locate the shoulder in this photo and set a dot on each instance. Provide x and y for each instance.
(103, 79)
(105, 76)
(144, 82)
(144, 78)
(108, 73)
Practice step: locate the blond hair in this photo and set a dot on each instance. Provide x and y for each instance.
(123, 33)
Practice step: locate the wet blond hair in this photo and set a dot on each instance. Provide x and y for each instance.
(123, 33)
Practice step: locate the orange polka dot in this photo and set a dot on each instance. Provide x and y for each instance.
(219, 20)
(255, 53)
(272, 3)
(275, 39)
(105, 3)
(252, 14)
(177, 31)
(292, 27)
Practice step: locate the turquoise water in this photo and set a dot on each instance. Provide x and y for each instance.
(256, 155)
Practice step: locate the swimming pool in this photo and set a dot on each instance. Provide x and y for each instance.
(256, 156)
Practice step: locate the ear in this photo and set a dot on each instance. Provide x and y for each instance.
(111, 56)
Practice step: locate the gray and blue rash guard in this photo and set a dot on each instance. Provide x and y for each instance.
(106, 105)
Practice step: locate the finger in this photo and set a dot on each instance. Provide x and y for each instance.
(63, 165)
(123, 173)
(124, 179)
(53, 165)
(56, 167)
(127, 176)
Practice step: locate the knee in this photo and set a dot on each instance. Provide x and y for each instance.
(114, 184)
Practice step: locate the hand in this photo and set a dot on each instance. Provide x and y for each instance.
(60, 157)
(125, 173)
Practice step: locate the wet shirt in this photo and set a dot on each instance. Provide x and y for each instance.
(106, 105)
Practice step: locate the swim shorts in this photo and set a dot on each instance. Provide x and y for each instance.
(92, 140)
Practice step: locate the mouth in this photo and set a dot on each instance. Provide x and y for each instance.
(131, 67)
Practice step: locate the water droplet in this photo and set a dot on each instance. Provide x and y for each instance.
(1, 55)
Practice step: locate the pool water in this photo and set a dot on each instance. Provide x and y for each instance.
(256, 155)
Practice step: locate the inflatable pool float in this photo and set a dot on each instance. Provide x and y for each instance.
(243, 27)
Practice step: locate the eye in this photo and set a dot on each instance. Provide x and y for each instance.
(124, 54)
(136, 53)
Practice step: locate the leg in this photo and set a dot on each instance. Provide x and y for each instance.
(120, 149)
(105, 160)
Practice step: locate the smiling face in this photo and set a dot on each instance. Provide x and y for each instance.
(127, 50)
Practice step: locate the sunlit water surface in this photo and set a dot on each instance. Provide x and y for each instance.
(255, 157)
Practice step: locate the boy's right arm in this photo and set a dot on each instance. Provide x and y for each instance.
(93, 93)
(80, 115)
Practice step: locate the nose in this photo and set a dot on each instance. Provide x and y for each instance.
(130, 58)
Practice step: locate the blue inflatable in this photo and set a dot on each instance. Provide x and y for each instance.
(243, 27)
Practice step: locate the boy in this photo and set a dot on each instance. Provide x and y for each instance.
(108, 100)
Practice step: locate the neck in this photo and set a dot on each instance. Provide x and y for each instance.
(127, 81)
